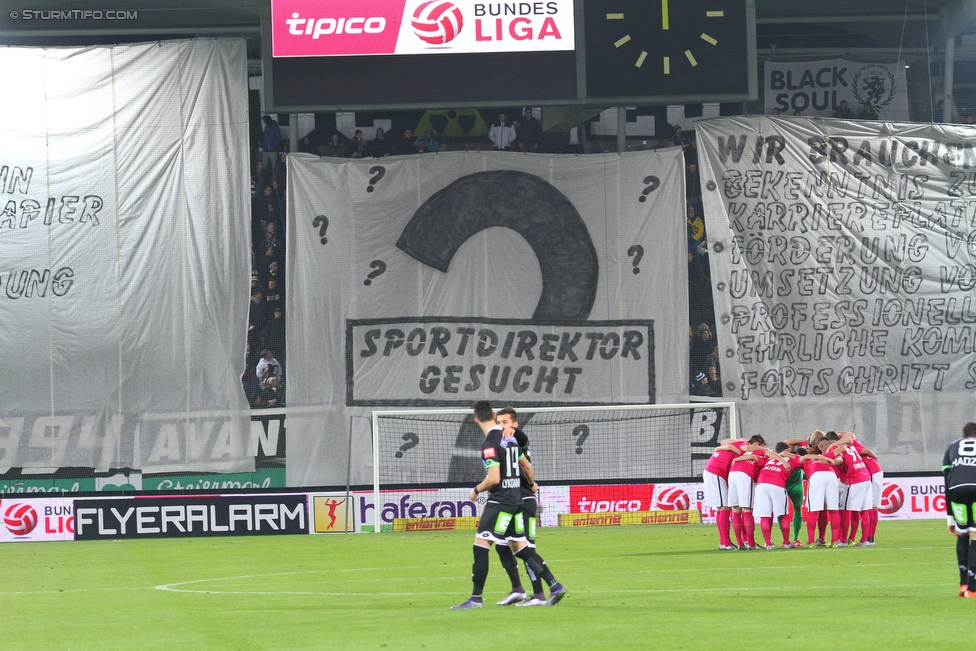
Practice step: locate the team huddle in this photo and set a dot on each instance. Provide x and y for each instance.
(745, 480)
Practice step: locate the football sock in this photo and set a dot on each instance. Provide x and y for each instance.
(724, 521)
(507, 558)
(534, 578)
(822, 521)
(538, 565)
(845, 524)
(962, 555)
(834, 526)
(766, 525)
(971, 570)
(737, 528)
(479, 571)
(855, 520)
(797, 521)
(812, 518)
(749, 528)
(784, 526)
(874, 524)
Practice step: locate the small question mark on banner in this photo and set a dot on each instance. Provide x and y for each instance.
(411, 441)
(652, 183)
(380, 172)
(582, 431)
(379, 267)
(638, 252)
(323, 223)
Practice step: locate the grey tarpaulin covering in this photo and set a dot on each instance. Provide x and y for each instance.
(124, 256)
(842, 256)
(443, 279)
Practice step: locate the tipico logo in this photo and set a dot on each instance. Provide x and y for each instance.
(20, 519)
(437, 22)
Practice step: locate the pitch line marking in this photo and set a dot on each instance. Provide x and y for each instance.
(69, 591)
(172, 587)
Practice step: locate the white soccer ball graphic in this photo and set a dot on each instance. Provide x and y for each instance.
(437, 22)
(673, 499)
(20, 519)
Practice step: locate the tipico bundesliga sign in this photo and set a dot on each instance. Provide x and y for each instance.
(308, 28)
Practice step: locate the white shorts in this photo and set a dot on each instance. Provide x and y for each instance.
(716, 490)
(770, 501)
(740, 490)
(822, 492)
(877, 483)
(842, 493)
(860, 497)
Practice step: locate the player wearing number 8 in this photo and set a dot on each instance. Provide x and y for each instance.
(499, 523)
(959, 468)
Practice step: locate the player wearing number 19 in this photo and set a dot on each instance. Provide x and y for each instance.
(508, 419)
(959, 468)
(499, 523)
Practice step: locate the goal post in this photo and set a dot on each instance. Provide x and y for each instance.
(441, 448)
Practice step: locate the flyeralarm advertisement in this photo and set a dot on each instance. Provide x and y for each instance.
(315, 28)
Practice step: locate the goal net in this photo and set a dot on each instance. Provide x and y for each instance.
(621, 444)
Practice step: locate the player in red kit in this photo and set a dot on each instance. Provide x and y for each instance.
(770, 493)
(860, 498)
(869, 519)
(742, 476)
(716, 480)
(821, 493)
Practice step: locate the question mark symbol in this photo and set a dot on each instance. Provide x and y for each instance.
(411, 441)
(323, 223)
(638, 252)
(582, 431)
(380, 172)
(652, 183)
(379, 266)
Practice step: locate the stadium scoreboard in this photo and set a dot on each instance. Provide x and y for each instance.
(323, 55)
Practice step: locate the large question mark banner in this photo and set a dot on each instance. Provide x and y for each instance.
(842, 257)
(440, 280)
(124, 257)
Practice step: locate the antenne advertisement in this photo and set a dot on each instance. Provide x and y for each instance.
(306, 28)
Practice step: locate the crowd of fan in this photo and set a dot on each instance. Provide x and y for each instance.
(523, 135)
(264, 378)
(706, 372)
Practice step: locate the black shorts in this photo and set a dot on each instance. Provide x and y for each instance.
(529, 520)
(961, 506)
(500, 523)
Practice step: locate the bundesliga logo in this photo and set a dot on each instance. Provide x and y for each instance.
(20, 519)
(673, 499)
(892, 499)
(437, 22)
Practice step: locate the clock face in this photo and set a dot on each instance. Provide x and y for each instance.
(666, 47)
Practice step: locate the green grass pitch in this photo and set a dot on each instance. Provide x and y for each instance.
(630, 588)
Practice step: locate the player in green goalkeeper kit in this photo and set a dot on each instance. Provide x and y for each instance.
(794, 490)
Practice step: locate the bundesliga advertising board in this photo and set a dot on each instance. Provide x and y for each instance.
(32, 520)
(303, 28)
(486, 52)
